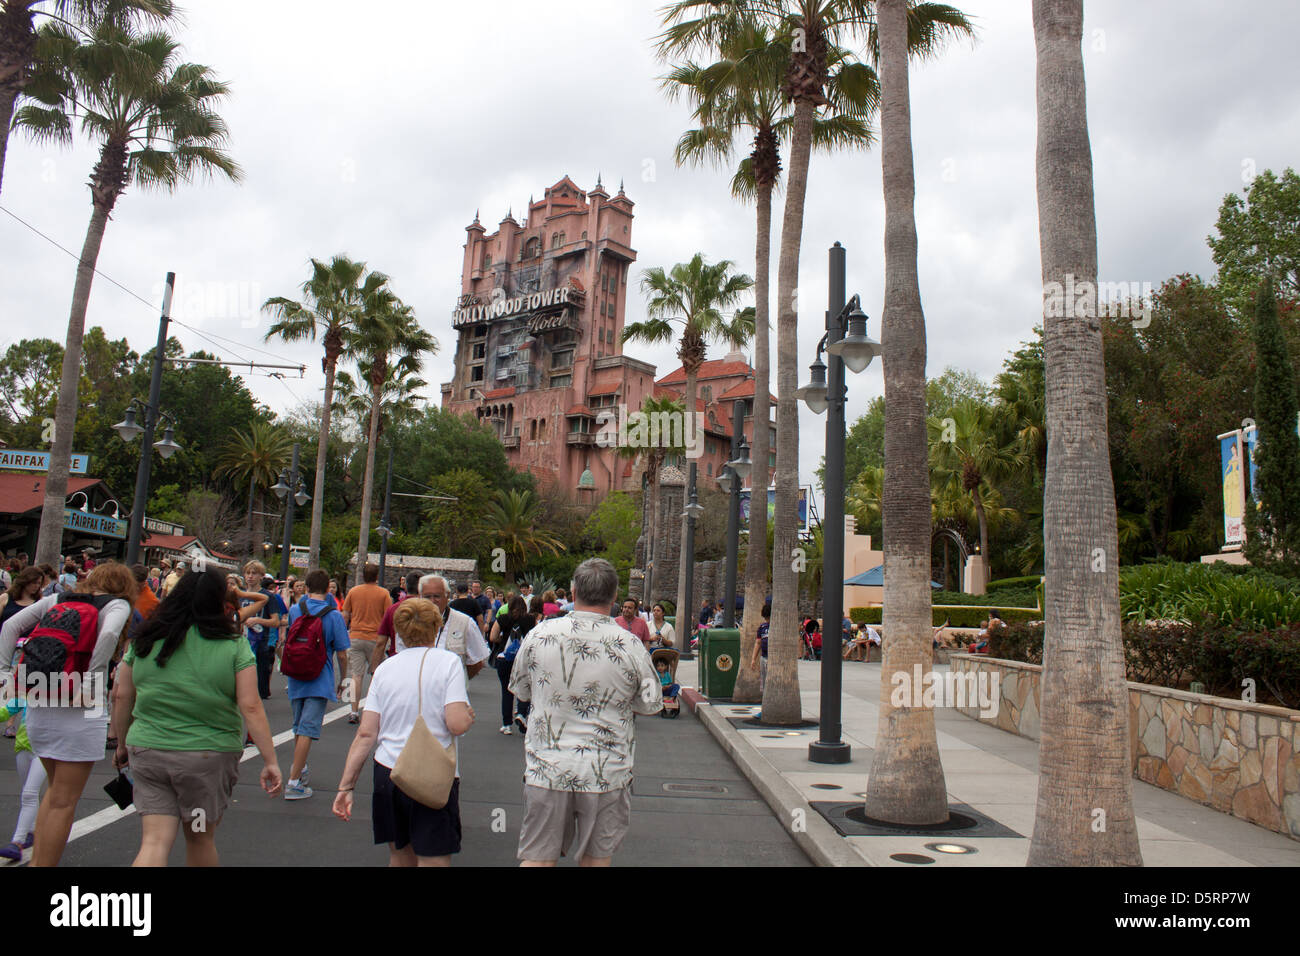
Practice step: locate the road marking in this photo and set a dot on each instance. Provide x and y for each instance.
(111, 815)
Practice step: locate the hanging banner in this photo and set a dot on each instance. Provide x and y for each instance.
(1248, 436)
(1234, 487)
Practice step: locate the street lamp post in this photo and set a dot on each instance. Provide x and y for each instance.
(827, 393)
(732, 479)
(128, 430)
(685, 615)
(291, 491)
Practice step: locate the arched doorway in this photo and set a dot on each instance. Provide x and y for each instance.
(951, 536)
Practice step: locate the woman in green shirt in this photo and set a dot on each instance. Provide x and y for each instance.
(185, 688)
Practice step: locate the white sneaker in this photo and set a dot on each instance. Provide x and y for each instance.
(522, 722)
(507, 731)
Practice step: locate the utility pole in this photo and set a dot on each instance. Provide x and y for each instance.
(135, 534)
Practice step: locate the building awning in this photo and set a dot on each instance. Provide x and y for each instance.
(20, 494)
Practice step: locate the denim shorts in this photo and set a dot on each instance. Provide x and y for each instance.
(308, 715)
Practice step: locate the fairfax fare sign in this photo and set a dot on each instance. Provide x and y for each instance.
(501, 307)
(39, 461)
(99, 525)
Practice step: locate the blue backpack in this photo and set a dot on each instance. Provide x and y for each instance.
(512, 643)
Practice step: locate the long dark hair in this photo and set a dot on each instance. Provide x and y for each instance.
(518, 616)
(198, 600)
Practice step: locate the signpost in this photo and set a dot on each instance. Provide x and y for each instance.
(99, 525)
(39, 461)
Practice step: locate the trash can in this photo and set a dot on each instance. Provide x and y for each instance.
(719, 661)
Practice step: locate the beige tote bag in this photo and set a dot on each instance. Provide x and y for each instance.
(425, 770)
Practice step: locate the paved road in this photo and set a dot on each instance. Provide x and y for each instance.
(725, 823)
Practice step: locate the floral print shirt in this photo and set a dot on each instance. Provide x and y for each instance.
(586, 678)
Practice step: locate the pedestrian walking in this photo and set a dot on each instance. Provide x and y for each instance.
(420, 685)
(31, 777)
(68, 729)
(507, 636)
(586, 678)
(322, 631)
(363, 611)
(661, 632)
(629, 620)
(182, 694)
(459, 633)
(263, 627)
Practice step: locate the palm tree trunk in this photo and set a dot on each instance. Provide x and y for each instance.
(1085, 781)
(984, 528)
(748, 689)
(17, 47)
(322, 447)
(781, 703)
(252, 490)
(652, 489)
(906, 783)
(50, 542)
(363, 541)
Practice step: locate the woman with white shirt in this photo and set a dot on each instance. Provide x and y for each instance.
(69, 736)
(660, 630)
(419, 679)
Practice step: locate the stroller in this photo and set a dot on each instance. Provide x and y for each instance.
(810, 635)
(669, 656)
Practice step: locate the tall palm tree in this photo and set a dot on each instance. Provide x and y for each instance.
(399, 397)
(693, 295)
(1083, 752)
(906, 783)
(331, 307)
(967, 453)
(20, 46)
(387, 326)
(256, 456)
(510, 523)
(667, 409)
(818, 25)
(741, 90)
(153, 118)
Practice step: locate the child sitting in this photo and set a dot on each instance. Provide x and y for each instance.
(666, 679)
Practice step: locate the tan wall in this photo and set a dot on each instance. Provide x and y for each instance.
(1235, 756)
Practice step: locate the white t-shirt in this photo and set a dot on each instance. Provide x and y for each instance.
(393, 697)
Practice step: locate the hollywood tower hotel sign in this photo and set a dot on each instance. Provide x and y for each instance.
(538, 327)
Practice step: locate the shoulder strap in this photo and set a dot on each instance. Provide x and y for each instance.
(419, 686)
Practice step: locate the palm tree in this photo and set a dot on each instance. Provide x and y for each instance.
(1083, 752)
(663, 409)
(331, 306)
(742, 91)
(906, 783)
(21, 47)
(398, 397)
(967, 453)
(510, 523)
(153, 119)
(818, 25)
(387, 326)
(255, 456)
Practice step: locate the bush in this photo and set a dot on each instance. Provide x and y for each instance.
(1029, 581)
(1194, 592)
(1008, 597)
(1018, 642)
(955, 616)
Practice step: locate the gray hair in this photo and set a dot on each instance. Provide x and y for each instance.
(430, 578)
(595, 583)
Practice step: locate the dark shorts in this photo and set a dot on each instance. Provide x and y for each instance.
(401, 821)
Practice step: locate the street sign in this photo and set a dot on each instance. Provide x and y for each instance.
(39, 461)
(101, 525)
(161, 527)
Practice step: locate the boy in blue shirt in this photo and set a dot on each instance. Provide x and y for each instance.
(263, 631)
(308, 698)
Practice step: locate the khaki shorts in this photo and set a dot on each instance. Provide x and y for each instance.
(552, 818)
(194, 785)
(359, 655)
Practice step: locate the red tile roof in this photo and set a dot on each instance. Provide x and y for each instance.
(169, 542)
(21, 493)
(580, 410)
(605, 388)
(718, 368)
(662, 392)
(743, 389)
(506, 392)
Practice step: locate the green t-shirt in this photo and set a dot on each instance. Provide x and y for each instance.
(189, 704)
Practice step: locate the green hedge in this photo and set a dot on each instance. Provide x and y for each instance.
(1173, 655)
(955, 616)
(1007, 597)
(1194, 592)
(1029, 581)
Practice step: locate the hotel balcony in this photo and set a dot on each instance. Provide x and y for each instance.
(581, 439)
(510, 441)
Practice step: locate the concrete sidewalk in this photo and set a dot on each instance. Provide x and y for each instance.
(990, 771)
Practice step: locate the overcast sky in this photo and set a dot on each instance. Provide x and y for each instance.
(378, 137)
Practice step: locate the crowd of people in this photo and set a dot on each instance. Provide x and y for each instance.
(190, 656)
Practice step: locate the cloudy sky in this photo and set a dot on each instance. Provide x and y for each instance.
(378, 137)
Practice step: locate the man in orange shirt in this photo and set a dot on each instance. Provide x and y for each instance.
(363, 612)
(145, 599)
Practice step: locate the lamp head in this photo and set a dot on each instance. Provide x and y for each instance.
(814, 393)
(167, 447)
(127, 428)
(856, 349)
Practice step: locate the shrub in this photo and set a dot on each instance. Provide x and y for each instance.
(1029, 581)
(1018, 642)
(1007, 597)
(864, 615)
(1193, 592)
(955, 616)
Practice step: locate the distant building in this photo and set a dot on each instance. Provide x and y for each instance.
(538, 324)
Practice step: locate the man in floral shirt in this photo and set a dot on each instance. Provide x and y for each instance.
(586, 678)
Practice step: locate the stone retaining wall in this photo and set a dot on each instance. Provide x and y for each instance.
(1235, 756)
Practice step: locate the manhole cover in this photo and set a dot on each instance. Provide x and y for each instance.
(694, 788)
(911, 858)
(827, 786)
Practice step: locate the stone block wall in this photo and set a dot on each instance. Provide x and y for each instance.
(1229, 754)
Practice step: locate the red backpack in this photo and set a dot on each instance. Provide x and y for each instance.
(305, 653)
(65, 638)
